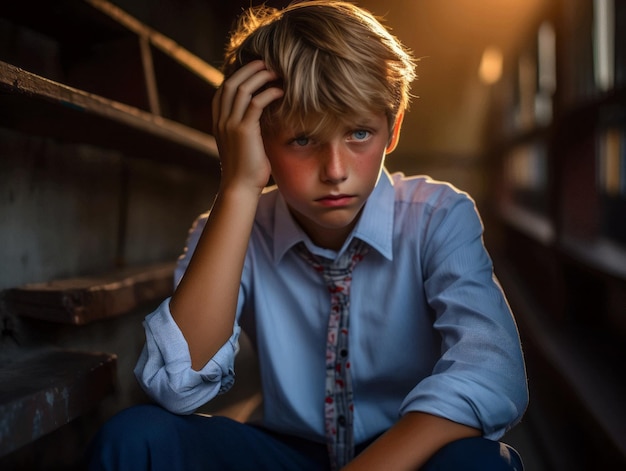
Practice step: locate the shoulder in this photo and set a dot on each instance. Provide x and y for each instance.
(430, 209)
(422, 190)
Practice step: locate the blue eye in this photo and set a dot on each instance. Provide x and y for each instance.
(360, 134)
(301, 141)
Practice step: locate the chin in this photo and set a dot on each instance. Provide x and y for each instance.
(337, 223)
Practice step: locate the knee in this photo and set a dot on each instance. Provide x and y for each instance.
(131, 432)
(477, 454)
(142, 422)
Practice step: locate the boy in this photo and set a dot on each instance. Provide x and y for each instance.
(426, 371)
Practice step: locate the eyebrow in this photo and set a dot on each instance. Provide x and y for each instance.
(362, 121)
(366, 122)
(363, 124)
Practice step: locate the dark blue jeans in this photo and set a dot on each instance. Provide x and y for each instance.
(147, 437)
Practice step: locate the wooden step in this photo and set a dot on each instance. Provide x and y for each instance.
(36, 105)
(86, 299)
(43, 391)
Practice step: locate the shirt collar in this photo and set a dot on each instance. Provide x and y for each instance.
(375, 226)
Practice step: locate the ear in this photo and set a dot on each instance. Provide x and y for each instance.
(395, 133)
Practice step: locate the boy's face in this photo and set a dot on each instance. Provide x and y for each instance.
(326, 181)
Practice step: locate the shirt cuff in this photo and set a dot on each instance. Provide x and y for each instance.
(164, 368)
(465, 402)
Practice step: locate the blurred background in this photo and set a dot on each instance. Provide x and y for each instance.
(106, 158)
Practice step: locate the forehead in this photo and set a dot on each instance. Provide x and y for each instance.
(324, 125)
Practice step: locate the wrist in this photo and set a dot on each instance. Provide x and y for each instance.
(242, 184)
(239, 194)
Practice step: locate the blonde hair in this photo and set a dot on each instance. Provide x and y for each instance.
(333, 59)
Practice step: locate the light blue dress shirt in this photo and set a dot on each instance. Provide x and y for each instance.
(430, 329)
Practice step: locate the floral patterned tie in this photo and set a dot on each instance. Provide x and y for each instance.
(338, 405)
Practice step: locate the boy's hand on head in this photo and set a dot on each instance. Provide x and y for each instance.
(237, 109)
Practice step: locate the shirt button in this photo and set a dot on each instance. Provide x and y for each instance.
(341, 420)
(343, 352)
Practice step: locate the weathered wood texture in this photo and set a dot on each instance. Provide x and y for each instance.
(42, 392)
(87, 299)
(36, 105)
(106, 159)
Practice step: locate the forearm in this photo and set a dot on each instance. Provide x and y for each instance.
(205, 301)
(410, 443)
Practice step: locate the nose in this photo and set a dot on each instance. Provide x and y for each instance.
(334, 167)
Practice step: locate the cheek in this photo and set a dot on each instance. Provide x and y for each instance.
(371, 164)
(290, 175)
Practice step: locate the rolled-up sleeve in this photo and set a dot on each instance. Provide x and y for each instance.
(164, 367)
(480, 378)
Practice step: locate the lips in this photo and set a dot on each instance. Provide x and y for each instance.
(335, 200)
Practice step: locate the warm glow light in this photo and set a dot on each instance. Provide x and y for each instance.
(490, 69)
(609, 159)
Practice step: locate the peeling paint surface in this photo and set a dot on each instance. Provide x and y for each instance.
(40, 394)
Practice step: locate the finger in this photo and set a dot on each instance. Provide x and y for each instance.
(247, 91)
(231, 86)
(238, 76)
(259, 102)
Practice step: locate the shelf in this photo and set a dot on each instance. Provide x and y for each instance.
(533, 225)
(605, 108)
(601, 255)
(42, 392)
(589, 380)
(83, 300)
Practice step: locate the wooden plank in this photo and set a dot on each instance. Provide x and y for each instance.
(186, 59)
(83, 300)
(150, 79)
(42, 392)
(36, 105)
